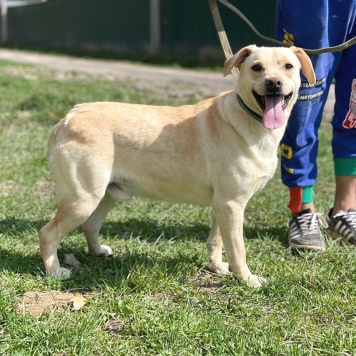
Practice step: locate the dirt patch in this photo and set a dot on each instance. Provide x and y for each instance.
(208, 282)
(44, 187)
(39, 302)
(10, 188)
(114, 325)
(209, 82)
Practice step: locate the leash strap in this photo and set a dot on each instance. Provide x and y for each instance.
(216, 16)
(222, 35)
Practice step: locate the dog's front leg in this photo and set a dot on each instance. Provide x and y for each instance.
(215, 245)
(229, 216)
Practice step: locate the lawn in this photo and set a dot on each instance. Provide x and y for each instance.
(155, 296)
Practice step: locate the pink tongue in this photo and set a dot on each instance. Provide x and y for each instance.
(273, 117)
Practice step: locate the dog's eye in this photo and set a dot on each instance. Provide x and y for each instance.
(288, 66)
(256, 68)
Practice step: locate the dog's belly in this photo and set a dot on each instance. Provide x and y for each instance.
(177, 191)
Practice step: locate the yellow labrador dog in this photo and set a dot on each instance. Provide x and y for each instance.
(218, 152)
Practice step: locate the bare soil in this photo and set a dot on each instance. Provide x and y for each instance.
(203, 83)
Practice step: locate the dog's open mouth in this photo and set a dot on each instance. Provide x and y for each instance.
(261, 100)
(272, 106)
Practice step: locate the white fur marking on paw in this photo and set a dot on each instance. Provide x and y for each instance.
(255, 281)
(105, 250)
(220, 268)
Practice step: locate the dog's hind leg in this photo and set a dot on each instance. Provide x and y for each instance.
(78, 196)
(69, 216)
(92, 225)
(215, 246)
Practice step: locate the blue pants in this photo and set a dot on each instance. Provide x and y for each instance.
(315, 24)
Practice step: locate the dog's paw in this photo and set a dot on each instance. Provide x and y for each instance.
(255, 281)
(60, 273)
(104, 251)
(220, 268)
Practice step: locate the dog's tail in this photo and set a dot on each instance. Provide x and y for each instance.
(53, 138)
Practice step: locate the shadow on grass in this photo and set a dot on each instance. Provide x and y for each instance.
(19, 262)
(151, 230)
(273, 233)
(28, 260)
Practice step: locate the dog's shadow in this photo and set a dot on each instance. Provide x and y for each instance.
(151, 230)
(28, 261)
(154, 231)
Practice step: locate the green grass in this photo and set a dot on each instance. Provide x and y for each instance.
(157, 283)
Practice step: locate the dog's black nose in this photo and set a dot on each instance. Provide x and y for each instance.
(274, 85)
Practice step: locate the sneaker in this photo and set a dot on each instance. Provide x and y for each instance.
(304, 231)
(343, 225)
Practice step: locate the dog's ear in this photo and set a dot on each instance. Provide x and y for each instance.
(237, 59)
(306, 64)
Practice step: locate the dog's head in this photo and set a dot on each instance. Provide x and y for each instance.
(269, 80)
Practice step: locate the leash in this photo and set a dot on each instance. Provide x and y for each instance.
(225, 42)
(222, 35)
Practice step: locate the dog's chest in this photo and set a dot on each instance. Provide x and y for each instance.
(263, 163)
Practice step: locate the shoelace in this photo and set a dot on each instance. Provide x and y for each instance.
(309, 222)
(349, 216)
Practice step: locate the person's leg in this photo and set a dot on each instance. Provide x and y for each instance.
(299, 145)
(345, 195)
(299, 148)
(342, 217)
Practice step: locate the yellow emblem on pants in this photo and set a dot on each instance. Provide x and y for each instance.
(289, 170)
(288, 38)
(286, 151)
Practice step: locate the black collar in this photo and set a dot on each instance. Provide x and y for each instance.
(248, 110)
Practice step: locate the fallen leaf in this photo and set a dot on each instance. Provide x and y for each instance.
(78, 302)
(70, 260)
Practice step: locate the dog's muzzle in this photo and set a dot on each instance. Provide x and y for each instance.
(273, 106)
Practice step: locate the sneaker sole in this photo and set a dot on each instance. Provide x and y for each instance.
(335, 236)
(307, 247)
